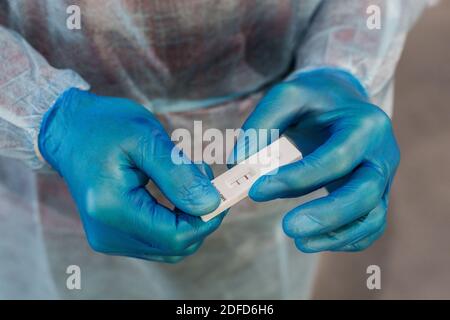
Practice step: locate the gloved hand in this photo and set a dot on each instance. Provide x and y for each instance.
(107, 149)
(348, 146)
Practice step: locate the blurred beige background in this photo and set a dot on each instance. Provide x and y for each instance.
(414, 253)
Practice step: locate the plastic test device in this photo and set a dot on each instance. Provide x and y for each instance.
(234, 184)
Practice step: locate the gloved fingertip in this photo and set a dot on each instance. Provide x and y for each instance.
(173, 259)
(297, 225)
(319, 244)
(288, 227)
(302, 224)
(304, 247)
(262, 190)
(193, 248)
(193, 193)
(206, 202)
(347, 248)
(256, 193)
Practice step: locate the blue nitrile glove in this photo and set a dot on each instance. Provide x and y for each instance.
(107, 149)
(347, 143)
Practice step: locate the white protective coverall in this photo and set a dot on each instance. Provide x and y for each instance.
(185, 60)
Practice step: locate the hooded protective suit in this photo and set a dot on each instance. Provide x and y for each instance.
(184, 60)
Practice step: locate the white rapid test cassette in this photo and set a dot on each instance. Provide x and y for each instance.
(234, 184)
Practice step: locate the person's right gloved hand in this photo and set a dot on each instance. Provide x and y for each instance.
(107, 149)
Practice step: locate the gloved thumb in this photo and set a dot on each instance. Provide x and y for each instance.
(271, 117)
(181, 182)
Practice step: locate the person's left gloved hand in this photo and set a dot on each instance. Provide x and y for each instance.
(348, 146)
